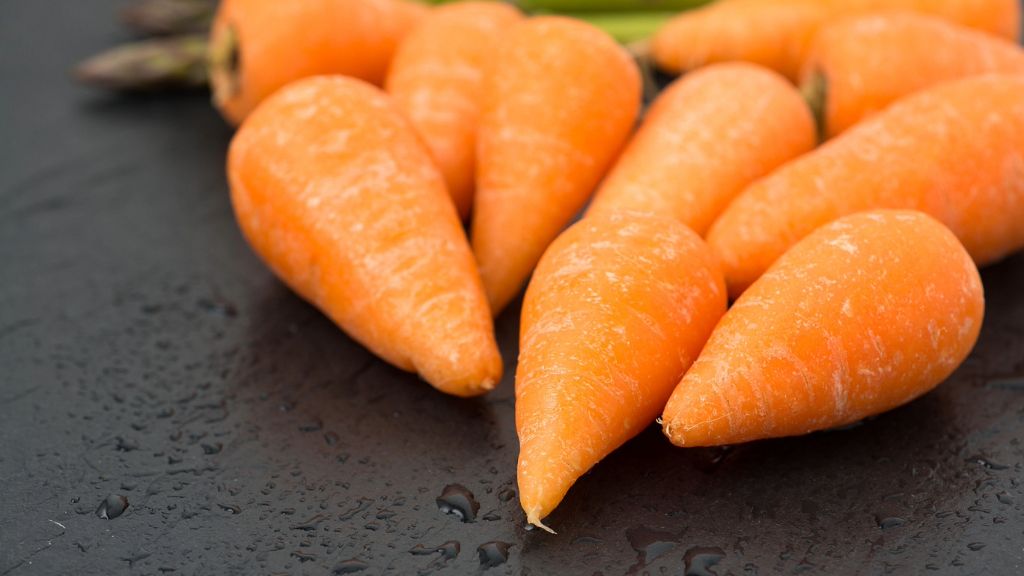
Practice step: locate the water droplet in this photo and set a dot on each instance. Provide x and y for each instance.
(331, 438)
(112, 507)
(311, 524)
(312, 425)
(975, 546)
(448, 550)
(987, 463)
(1013, 383)
(1004, 498)
(649, 545)
(700, 559)
(126, 444)
(885, 523)
(493, 553)
(350, 567)
(492, 516)
(455, 499)
(210, 449)
(230, 508)
(506, 494)
(303, 556)
(709, 459)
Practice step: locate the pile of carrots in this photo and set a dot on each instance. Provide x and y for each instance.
(372, 132)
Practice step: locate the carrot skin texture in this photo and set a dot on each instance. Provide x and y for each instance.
(778, 33)
(436, 80)
(871, 61)
(617, 309)
(282, 41)
(955, 151)
(865, 314)
(334, 191)
(558, 108)
(707, 136)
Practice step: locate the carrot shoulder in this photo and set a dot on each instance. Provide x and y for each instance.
(952, 151)
(861, 65)
(558, 107)
(334, 191)
(436, 80)
(258, 46)
(708, 136)
(617, 309)
(865, 314)
(778, 33)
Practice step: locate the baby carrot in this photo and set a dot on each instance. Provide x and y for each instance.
(436, 79)
(777, 33)
(865, 314)
(335, 192)
(258, 46)
(952, 151)
(860, 65)
(617, 310)
(705, 138)
(559, 105)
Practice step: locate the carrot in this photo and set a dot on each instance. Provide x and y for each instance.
(335, 192)
(705, 138)
(436, 79)
(258, 46)
(955, 151)
(859, 66)
(617, 310)
(777, 33)
(865, 314)
(558, 107)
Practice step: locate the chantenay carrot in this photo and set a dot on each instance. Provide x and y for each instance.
(708, 136)
(865, 314)
(436, 80)
(777, 33)
(258, 46)
(559, 105)
(955, 151)
(858, 66)
(617, 310)
(335, 192)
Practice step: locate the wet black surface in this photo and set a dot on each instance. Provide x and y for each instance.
(147, 358)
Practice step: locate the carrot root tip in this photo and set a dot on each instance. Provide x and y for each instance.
(532, 518)
(224, 61)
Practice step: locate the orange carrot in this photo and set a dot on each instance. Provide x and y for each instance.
(859, 66)
(436, 79)
(335, 192)
(705, 138)
(777, 33)
(617, 310)
(258, 46)
(955, 151)
(865, 314)
(559, 105)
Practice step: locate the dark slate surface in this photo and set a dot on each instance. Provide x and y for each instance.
(146, 355)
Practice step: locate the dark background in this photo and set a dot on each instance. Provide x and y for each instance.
(145, 353)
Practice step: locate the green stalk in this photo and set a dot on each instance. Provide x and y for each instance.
(626, 27)
(606, 5)
(160, 17)
(150, 65)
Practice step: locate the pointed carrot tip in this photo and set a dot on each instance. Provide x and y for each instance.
(533, 517)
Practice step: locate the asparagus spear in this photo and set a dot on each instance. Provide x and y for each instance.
(160, 17)
(149, 65)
